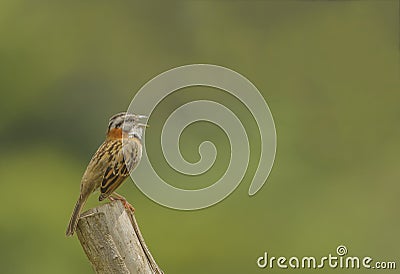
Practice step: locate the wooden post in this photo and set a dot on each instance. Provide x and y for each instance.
(112, 241)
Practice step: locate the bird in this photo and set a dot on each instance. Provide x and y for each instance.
(112, 163)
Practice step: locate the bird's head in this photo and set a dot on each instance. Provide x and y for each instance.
(123, 124)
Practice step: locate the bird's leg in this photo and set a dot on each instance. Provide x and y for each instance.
(115, 196)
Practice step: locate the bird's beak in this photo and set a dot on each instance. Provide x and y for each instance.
(142, 116)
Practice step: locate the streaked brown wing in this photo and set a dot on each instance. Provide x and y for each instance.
(94, 173)
(117, 171)
(110, 184)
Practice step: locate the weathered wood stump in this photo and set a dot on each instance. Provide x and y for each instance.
(112, 241)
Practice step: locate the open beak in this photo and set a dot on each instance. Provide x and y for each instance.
(139, 116)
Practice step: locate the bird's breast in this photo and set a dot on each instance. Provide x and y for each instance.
(132, 150)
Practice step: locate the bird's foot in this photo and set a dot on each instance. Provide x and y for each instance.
(117, 197)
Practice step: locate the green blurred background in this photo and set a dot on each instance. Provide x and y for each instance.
(329, 71)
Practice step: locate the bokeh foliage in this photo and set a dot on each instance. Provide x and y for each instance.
(329, 71)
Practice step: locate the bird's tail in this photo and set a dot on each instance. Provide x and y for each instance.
(73, 222)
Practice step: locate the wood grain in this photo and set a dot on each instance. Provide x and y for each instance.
(112, 241)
